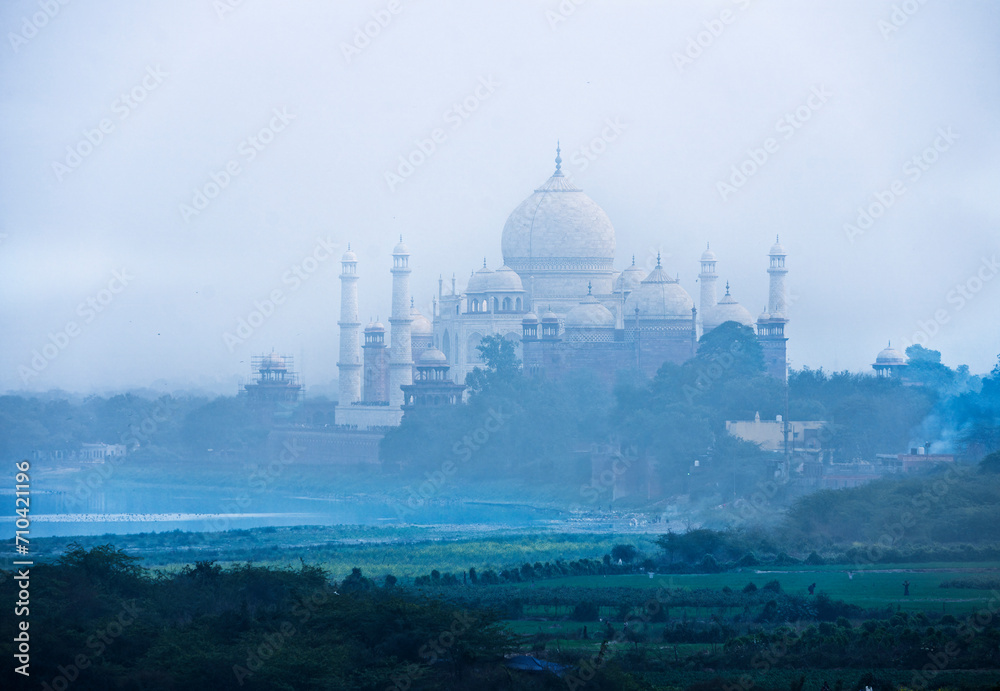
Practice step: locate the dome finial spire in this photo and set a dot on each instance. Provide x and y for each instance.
(633, 260)
(558, 160)
(590, 287)
(657, 260)
(484, 262)
(727, 287)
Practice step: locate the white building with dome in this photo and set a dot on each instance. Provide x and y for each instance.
(890, 362)
(558, 250)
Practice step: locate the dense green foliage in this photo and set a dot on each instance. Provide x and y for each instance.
(678, 417)
(952, 506)
(515, 428)
(164, 429)
(100, 619)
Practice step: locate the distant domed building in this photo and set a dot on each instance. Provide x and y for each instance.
(889, 362)
(274, 389)
(558, 250)
(432, 387)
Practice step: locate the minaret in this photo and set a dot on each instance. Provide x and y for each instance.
(771, 326)
(400, 353)
(350, 344)
(376, 375)
(707, 278)
(776, 303)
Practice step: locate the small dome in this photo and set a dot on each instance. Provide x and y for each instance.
(726, 310)
(659, 297)
(530, 318)
(590, 314)
(349, 256)
(374, 326)
(504, 280)
(420, 323)
(273, 361)
(708, 255)
(550, 316)
(764, 316)
(630, 279)
(432, 356)
(890, 356)
(776, 248)
(480, 281)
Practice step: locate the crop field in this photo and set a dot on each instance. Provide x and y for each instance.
(869, 588)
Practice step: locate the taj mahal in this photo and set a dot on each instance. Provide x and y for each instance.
(557, 297)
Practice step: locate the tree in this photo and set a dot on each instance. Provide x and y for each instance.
(990, 464)
(356, 582)
(735, 347)
(503, 368)
(670, 542)
(924, 366)
(624, 553)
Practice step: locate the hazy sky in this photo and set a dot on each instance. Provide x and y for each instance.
(117, 113)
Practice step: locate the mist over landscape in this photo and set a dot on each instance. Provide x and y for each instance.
(522, 345)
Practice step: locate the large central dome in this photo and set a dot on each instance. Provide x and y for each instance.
(558, 227)
(560, 232)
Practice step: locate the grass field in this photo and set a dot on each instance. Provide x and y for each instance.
(410, 551)
(871, 588)
(405, 552)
